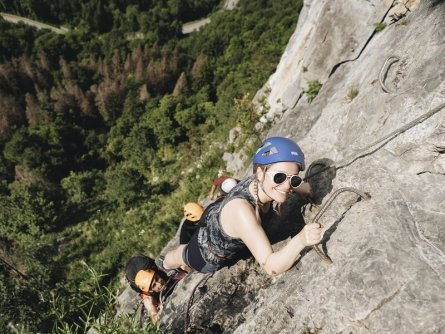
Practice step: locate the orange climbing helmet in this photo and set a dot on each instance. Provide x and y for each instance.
(143, 279)
(140, 271)
(193, 211)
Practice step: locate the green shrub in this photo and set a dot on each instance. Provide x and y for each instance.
(351, 93)
(312, 90)
(379, 26)
(102, 298)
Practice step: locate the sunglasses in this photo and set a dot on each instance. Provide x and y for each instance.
(280, 177)
(156, 279)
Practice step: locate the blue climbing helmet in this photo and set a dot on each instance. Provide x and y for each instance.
(278, 149)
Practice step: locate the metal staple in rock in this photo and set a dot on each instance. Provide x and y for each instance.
(360, 154)
(384, 72)
(323, 209)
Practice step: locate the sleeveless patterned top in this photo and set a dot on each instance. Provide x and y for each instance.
(216, 247)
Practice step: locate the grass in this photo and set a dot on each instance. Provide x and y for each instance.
(351, 93)
(379, 26)
(108, 322)
(312, 90)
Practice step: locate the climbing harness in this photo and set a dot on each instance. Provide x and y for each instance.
(190, 302)
(323, 209)
(384, 72)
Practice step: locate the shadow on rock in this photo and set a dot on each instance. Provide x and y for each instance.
(320, 176)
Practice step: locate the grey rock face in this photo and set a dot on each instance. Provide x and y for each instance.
(388, 271)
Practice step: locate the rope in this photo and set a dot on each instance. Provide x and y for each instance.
(360, 154)
(363, 152)
(323, 209)
(333, 196)
(190, 302)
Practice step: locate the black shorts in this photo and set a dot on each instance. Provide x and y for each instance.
(193, 258)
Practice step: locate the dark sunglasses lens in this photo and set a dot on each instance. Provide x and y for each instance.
(153, 281)
(279, 178)
(295, 181)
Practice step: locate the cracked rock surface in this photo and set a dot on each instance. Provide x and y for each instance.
(388, 252)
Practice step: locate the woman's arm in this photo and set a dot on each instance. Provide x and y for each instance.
(153, 310)
(282, 260)
(212, 192)
(238, 220)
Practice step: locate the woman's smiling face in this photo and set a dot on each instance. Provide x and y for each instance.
(277, 192)
(157, 284)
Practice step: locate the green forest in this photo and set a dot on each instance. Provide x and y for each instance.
(107, 130)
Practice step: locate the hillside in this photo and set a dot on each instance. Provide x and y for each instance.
(107, 130)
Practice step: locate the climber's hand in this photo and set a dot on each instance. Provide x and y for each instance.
(311, 234)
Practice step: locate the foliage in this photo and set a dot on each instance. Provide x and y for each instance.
(312, 90)
(104, 298)
(26, 218)
(379, 26)
(249, 115)
(104, 138)
(16, 40)
(402, 22)
(351, 93)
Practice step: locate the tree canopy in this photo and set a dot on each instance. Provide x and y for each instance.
(107, 130)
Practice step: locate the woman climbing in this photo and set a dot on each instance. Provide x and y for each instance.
(152, 284)
(236, 221)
